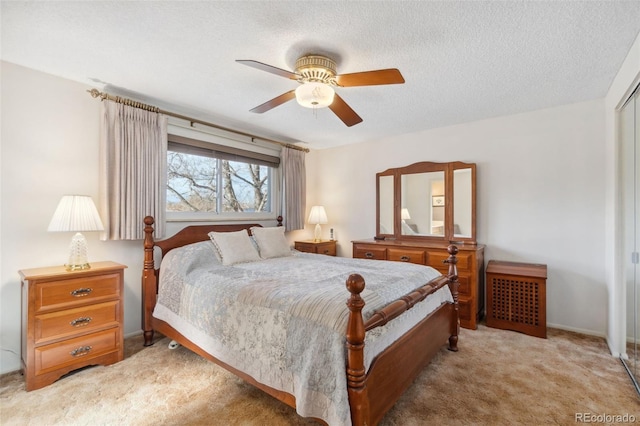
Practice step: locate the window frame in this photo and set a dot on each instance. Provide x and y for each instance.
(229, 148)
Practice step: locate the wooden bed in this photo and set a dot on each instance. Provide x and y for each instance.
(371, 393)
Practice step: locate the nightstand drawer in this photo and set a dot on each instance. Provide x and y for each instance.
(84, 348)
(305, 247)
(326, 247)
(406, 255)
(61, 324)
(76, 291)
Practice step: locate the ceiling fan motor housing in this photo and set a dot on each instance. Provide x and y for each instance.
(316, 68)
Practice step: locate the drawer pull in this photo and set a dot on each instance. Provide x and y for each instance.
(82, 321)
(368, 255)
(82, 350)
(326, 251)
(405, 258)
(80, 292)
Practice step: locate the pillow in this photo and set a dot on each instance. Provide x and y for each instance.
(234, 247)
(271, 242)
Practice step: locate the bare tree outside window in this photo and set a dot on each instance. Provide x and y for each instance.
(205, 184)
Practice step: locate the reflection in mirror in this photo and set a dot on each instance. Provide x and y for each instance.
(385, 206)
(462, 200)
(419, 214)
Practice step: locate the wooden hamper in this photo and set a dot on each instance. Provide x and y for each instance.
(517, 297)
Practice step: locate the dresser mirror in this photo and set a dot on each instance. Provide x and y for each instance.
(385, 205)
(431, 201)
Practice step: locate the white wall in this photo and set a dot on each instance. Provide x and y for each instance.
(541, 186)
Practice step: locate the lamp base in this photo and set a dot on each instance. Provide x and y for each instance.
(77, 267)
(317, 233)
(78, 254)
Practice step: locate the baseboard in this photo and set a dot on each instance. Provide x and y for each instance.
(577, 330)
(613, 352)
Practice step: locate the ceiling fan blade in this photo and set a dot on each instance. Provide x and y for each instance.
(269, 68)
(344, 111)
(278, 100)
(370, 78)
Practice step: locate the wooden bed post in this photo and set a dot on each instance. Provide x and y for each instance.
(453, 286)
(149, 282)
(356, 386)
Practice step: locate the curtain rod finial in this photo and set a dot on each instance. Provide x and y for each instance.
(96, 93)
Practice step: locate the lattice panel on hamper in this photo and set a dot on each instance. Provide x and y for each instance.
(517, 301)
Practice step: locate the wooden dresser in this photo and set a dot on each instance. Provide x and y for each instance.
(470, 268)
(70, 319)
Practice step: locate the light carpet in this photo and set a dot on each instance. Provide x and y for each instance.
(497, 378)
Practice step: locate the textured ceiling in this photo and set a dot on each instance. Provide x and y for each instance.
(462, 61)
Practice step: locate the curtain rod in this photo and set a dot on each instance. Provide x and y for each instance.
(129, 102)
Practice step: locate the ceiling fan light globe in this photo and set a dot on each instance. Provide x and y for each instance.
(314, 95)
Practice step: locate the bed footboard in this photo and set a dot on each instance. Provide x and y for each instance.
(372, 394)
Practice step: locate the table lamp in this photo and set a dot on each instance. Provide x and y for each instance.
(76, 213)
(317, 216)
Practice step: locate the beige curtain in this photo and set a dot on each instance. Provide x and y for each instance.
(133, 170)
(294, 177)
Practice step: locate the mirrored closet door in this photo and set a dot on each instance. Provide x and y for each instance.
(630, 184)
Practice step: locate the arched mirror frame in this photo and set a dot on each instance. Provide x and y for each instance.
(394, 176)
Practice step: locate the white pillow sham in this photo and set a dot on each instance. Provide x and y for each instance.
(234, 247)
(271, 242)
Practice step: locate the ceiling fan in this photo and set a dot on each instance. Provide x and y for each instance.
(317, 77)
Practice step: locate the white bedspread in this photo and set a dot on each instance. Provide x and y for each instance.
(283, 320)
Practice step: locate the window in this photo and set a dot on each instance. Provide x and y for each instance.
(206, 181)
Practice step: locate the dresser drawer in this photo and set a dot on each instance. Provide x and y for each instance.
(464, 288)
(70, 322)
(369, 252)
(407, 255)
(69, 352)
(437, 260)
(76, 291)
(466, 311)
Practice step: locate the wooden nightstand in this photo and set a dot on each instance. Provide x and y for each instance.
(70, 320)
(327, 247)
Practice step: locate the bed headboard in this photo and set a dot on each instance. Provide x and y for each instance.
(188, 235)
